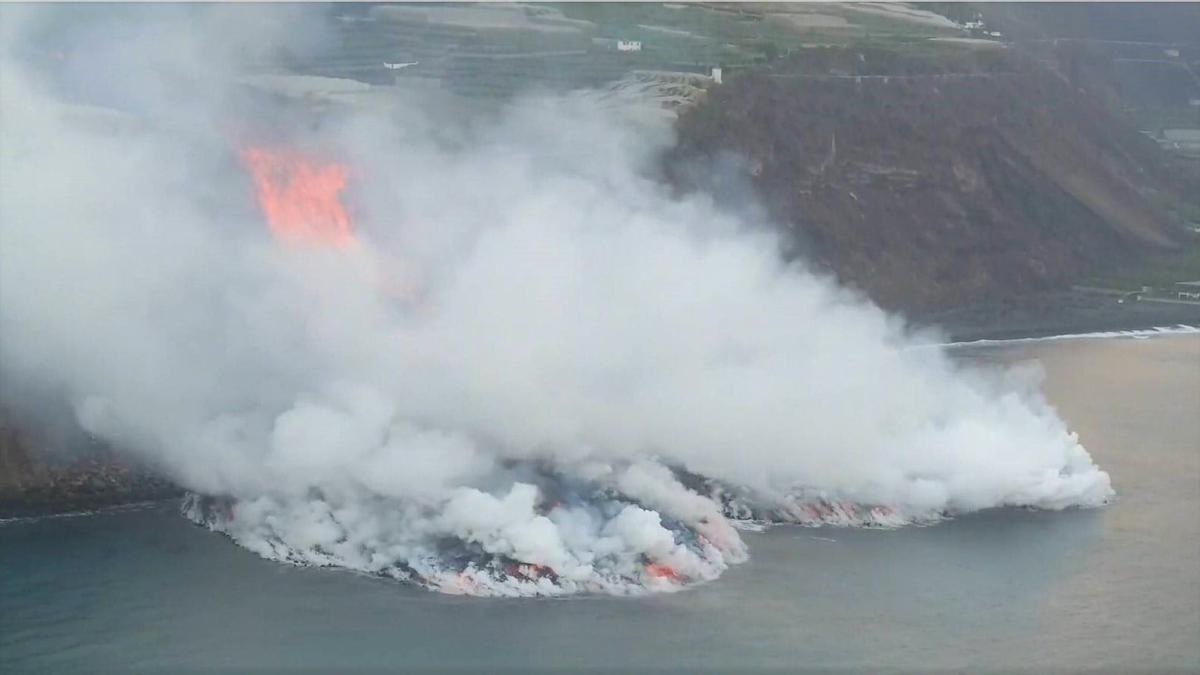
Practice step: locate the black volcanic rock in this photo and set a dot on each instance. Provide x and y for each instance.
(33, 483)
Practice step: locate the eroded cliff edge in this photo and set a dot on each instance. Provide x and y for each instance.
(937, 179)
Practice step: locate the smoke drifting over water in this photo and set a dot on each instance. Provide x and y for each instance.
(524, 368)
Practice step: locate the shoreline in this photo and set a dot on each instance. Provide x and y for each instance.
(34, 488)
(1134, 333)
(123, 507)
(1055, 314)
(17, 508)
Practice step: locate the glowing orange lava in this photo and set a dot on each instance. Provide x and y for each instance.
(663, 571)
(529, 571)
(300, 196)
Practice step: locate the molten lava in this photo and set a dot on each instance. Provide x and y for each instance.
(529, 571)
(300, 196)
(663, 571)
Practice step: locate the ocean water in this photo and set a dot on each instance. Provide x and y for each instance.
(1114, 589)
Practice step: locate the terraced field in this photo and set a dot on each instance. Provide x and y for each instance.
(497, 50)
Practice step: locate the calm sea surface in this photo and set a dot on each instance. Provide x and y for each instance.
(1115, 589)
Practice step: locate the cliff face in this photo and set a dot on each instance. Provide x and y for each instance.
(33, 482)
(934, 183)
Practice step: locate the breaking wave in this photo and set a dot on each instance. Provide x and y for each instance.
(1137, 334)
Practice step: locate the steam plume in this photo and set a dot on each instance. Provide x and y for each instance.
(533, 372)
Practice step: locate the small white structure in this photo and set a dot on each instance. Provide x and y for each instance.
(629, 45)
(716, 75)
(398, 66)
(1172, 53)
(1188, 290)
(1182, 135)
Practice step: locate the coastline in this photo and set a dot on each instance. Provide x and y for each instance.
(84, 486)
(1054, 314)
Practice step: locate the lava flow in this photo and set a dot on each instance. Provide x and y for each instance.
(300, 196)
(663, 571)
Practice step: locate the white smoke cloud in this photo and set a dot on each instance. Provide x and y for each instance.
(536, 372)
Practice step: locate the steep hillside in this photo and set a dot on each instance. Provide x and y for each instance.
(932, 177)
(1128, 22)
(35, 481)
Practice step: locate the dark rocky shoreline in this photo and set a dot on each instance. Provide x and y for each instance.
(42, 475)
(85, 485)
(1069, 312)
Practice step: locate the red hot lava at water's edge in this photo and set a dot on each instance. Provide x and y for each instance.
(663, 571)
(300, 195)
